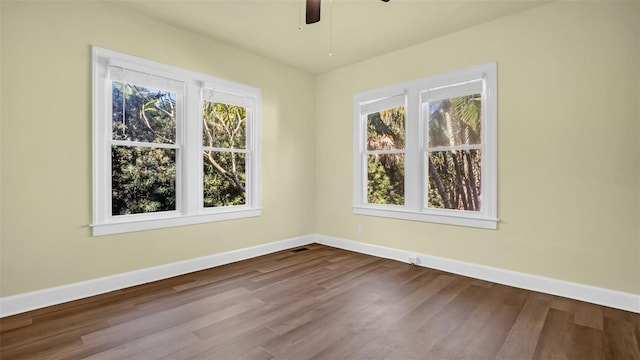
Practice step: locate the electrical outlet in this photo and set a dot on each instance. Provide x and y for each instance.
(360, 228)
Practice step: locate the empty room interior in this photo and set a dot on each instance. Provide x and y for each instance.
(305, 179)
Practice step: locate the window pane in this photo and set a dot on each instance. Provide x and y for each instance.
(454, 121)
(224, 125)
(385, 179)
(224, 178)
(143, 114)
(454, 180)
(143, 180)
(385, 129)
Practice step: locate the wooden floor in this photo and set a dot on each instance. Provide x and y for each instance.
(322, 303)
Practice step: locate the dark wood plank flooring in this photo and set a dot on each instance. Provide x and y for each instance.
(323, 303)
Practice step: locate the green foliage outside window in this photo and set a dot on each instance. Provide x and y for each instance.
(454, 175)
(224, 139)
(143, 177)
(385, 171)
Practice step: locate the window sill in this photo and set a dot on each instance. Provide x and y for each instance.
(404, 214)
(131, 225)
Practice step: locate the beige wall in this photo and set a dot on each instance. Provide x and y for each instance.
(568, 121)
(568, 114)
(46, 145)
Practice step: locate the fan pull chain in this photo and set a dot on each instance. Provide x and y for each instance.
(330, 28)
(300, 14)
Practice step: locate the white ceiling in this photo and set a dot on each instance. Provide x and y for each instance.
(360, 28)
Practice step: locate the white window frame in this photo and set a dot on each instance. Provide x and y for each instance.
(416, 170)
(189, 167)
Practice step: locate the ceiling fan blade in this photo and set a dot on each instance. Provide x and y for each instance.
(313, 11)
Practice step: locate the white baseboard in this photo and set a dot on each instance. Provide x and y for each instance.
(42, 298)
(592, 294)
(16, 304)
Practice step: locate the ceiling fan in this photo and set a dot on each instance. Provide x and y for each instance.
(313, 11)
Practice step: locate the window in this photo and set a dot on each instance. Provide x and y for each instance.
(225, 151)
(425, 150)
(170, 147)
(385, 150)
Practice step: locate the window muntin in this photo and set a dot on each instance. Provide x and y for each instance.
(150, 152)
(449, 155)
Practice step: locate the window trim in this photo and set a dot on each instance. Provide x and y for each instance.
(189, 172)
(415, 207)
